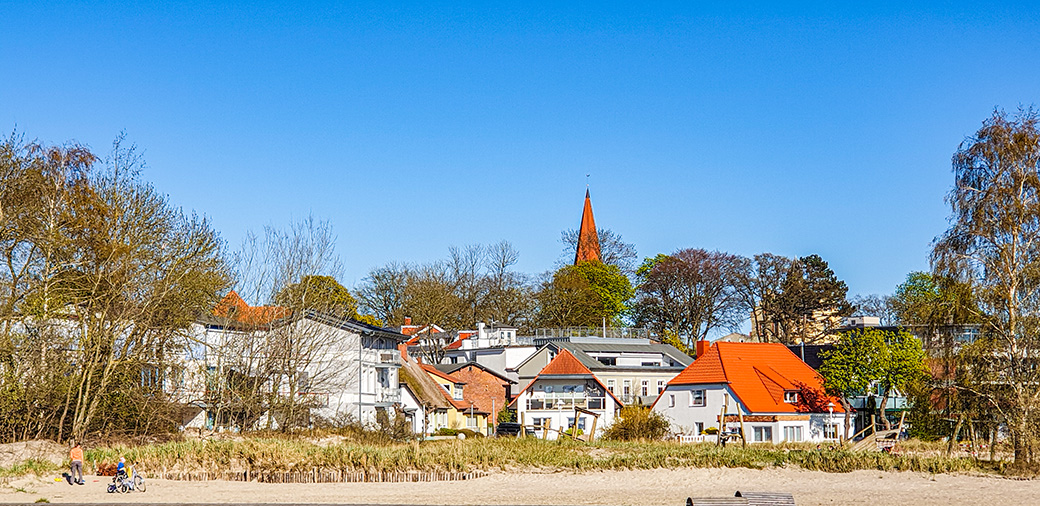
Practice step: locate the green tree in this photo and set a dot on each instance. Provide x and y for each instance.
(323, 294)
(810, 302)
(890, 360)
(993, 244)
(584, 295)
(850, 368)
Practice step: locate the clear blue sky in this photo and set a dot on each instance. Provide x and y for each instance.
(762, 128)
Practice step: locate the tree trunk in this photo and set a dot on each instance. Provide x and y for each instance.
(848, 418)
(881, 409)
(953, 437)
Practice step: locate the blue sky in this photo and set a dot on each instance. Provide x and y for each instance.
(791, 129)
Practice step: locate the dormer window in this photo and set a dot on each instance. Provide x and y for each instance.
(458, 392)
(791, 396)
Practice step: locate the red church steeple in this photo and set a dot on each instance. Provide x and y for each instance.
(588, 239)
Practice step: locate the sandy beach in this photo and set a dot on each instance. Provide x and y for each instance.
(662, 487)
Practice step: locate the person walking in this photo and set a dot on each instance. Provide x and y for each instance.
(76, 468)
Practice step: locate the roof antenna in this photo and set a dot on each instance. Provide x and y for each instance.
(587, 180)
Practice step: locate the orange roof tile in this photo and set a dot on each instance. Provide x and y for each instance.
(232, 306)
(588, 238)
(564, 363)
(757, 373)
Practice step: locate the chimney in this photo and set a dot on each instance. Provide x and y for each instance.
(702, 347)
(403, 348)
(407, 320)
(481, 333)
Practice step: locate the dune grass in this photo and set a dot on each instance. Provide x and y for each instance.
(289, 454)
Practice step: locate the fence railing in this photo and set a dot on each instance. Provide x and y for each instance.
(613, 332)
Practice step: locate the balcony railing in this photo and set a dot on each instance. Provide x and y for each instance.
(565, 403)
(614, 332)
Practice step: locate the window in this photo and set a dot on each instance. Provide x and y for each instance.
(610, 385)
(650, 364)
(645, 388)
(541, 423)
(763, 434)
(830, 431)
(458, 392)
(696, 398)
(793, 433)
(607, 360)
(671, 400)
(698, 427)
(627, 389)
(791, 396)
(660, 386)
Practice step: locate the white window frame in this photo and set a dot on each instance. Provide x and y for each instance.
(794, 433)
(694, 394)
(660, 386)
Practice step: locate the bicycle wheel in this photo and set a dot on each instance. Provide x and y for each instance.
(123, 488)
(139, 484)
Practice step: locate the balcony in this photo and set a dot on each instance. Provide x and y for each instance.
(388, 396)
(551, 402)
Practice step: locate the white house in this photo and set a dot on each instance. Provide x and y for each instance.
(780, 397)
(547, 404)
(332, 367)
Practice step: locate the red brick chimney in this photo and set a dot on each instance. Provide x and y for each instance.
(407, 320)
(702, 347)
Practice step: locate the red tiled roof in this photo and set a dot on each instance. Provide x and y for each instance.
(411, 330)
(757, 373)
(564, 363)
(232, 306)
(588, 239)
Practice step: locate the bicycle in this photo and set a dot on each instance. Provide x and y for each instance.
(124, 482)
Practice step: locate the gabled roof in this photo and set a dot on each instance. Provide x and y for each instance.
(425, 389)
(412, 330)
(443, 375)
(233, 307)
(757, 373)
(564, 364)
(461, 405)
(588, 240)
(452, 368)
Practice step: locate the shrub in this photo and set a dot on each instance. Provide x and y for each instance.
(636, 422)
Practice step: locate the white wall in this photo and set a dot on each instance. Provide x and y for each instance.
(558, 418)
(684, 418)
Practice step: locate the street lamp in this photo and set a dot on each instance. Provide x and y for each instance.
(830, 417)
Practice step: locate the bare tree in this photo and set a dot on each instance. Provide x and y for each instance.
(758, 280)
(993, 244)
(689, 293)
(282, 360)
(613, 249)
(875, 305)
(382, 292)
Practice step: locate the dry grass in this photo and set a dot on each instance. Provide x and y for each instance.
(287, 454)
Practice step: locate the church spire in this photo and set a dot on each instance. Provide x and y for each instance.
(588, 239)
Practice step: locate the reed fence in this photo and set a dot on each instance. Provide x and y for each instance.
(320, 476)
